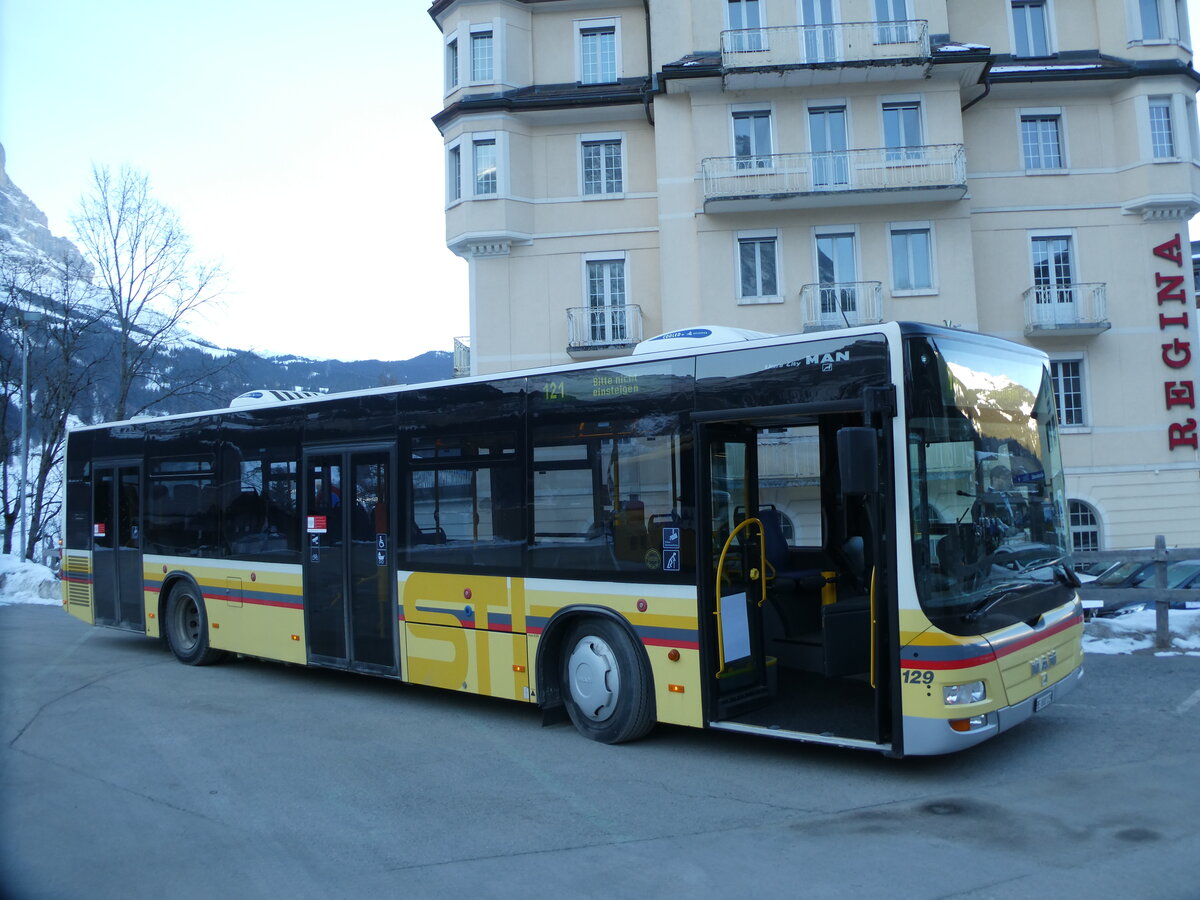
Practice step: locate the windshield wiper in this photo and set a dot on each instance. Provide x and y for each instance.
(1062, 571)
(997, 595)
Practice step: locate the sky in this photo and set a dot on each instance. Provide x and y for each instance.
(292, 137)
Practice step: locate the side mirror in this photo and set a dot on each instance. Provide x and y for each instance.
(858, 460)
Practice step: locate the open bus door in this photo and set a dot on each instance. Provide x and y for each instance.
(799, 620)
(737, 567)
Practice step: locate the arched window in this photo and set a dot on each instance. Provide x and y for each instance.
(1085, 527)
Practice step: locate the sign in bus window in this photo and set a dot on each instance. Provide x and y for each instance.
(610, 498)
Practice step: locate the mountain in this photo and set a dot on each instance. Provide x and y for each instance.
(24, 229)
(215, 374)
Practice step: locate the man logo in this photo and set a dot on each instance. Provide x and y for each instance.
(826, 360)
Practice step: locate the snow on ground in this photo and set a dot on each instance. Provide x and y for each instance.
(27, 583)
(1136, 631)
(31, 583)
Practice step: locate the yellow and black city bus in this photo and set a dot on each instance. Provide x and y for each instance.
(853, 537)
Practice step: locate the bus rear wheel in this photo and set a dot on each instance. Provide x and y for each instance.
(606, 683)
(187, 627)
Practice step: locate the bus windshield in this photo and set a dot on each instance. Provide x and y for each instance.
(990, 538)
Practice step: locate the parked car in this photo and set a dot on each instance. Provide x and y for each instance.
(1182, 574)
(1090, 571)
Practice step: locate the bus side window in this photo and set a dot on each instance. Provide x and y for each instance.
(609, 496)
(465, 503)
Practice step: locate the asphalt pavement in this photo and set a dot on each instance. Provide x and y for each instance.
(125, 774)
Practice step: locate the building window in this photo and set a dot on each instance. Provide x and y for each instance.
(902, 130)
(597, 51)
(1151, 20)
(896, 11)
(1162, 138)
(454, 174)
(912, 260)
(828, 141)
(1031, 28)
(758, 267)
(745, 17)
(1067, 376)
(837, 275)
(608, 323)
(1041, 141)
(451, 65)
(1161, 20)
(1085, 528)
(752, 139)
(484, 161)
(603, 170)
(482, 58)
(1053, 271)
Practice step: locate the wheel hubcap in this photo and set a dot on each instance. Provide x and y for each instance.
(187, 623)
(593, 678)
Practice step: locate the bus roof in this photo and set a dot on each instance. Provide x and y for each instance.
(894, 328)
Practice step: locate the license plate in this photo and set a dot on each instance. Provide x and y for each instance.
(1041, 702)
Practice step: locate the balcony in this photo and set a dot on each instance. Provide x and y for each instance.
(932, 173)
(1066, 310)
(462, 357)
(841, 304)
(599, 331)
(804, 55)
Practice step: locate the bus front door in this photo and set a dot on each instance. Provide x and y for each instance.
(117, 591)
(737, 576)
(349, 576)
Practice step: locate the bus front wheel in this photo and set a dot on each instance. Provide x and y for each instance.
(606, 683)
(187, 627)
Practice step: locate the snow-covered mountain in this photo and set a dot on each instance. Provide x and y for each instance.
(24, 229)
(223, 373)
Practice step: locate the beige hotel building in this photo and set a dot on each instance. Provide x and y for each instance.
(616, 169)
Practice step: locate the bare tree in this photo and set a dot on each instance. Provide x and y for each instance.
(67, 346)
(72, 350)
(12, 275)
(144, 260)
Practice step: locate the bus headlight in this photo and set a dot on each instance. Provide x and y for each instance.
(958, 694)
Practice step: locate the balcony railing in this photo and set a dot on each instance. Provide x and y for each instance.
(841, 304)
(930, 172)
(1066, 309)
(462, 357)
(603, 328)
(843, 42)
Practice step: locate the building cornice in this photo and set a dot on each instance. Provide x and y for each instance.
(440, 7)
(1163, 207)
(480, 245)
(1084, 66)
(543, 97)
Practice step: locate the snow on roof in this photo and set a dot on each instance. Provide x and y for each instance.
(1045, 68)
(958, 47)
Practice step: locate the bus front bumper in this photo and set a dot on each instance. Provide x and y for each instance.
(930, 737)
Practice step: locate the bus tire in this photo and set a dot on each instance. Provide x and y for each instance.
(187, 627)
(607, 685)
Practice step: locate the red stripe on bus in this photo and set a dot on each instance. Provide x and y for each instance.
(991, 655)
(277, 603)
(664, 642)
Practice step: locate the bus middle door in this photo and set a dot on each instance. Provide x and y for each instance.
(349, 575)
(737, 582)
(118, 591)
